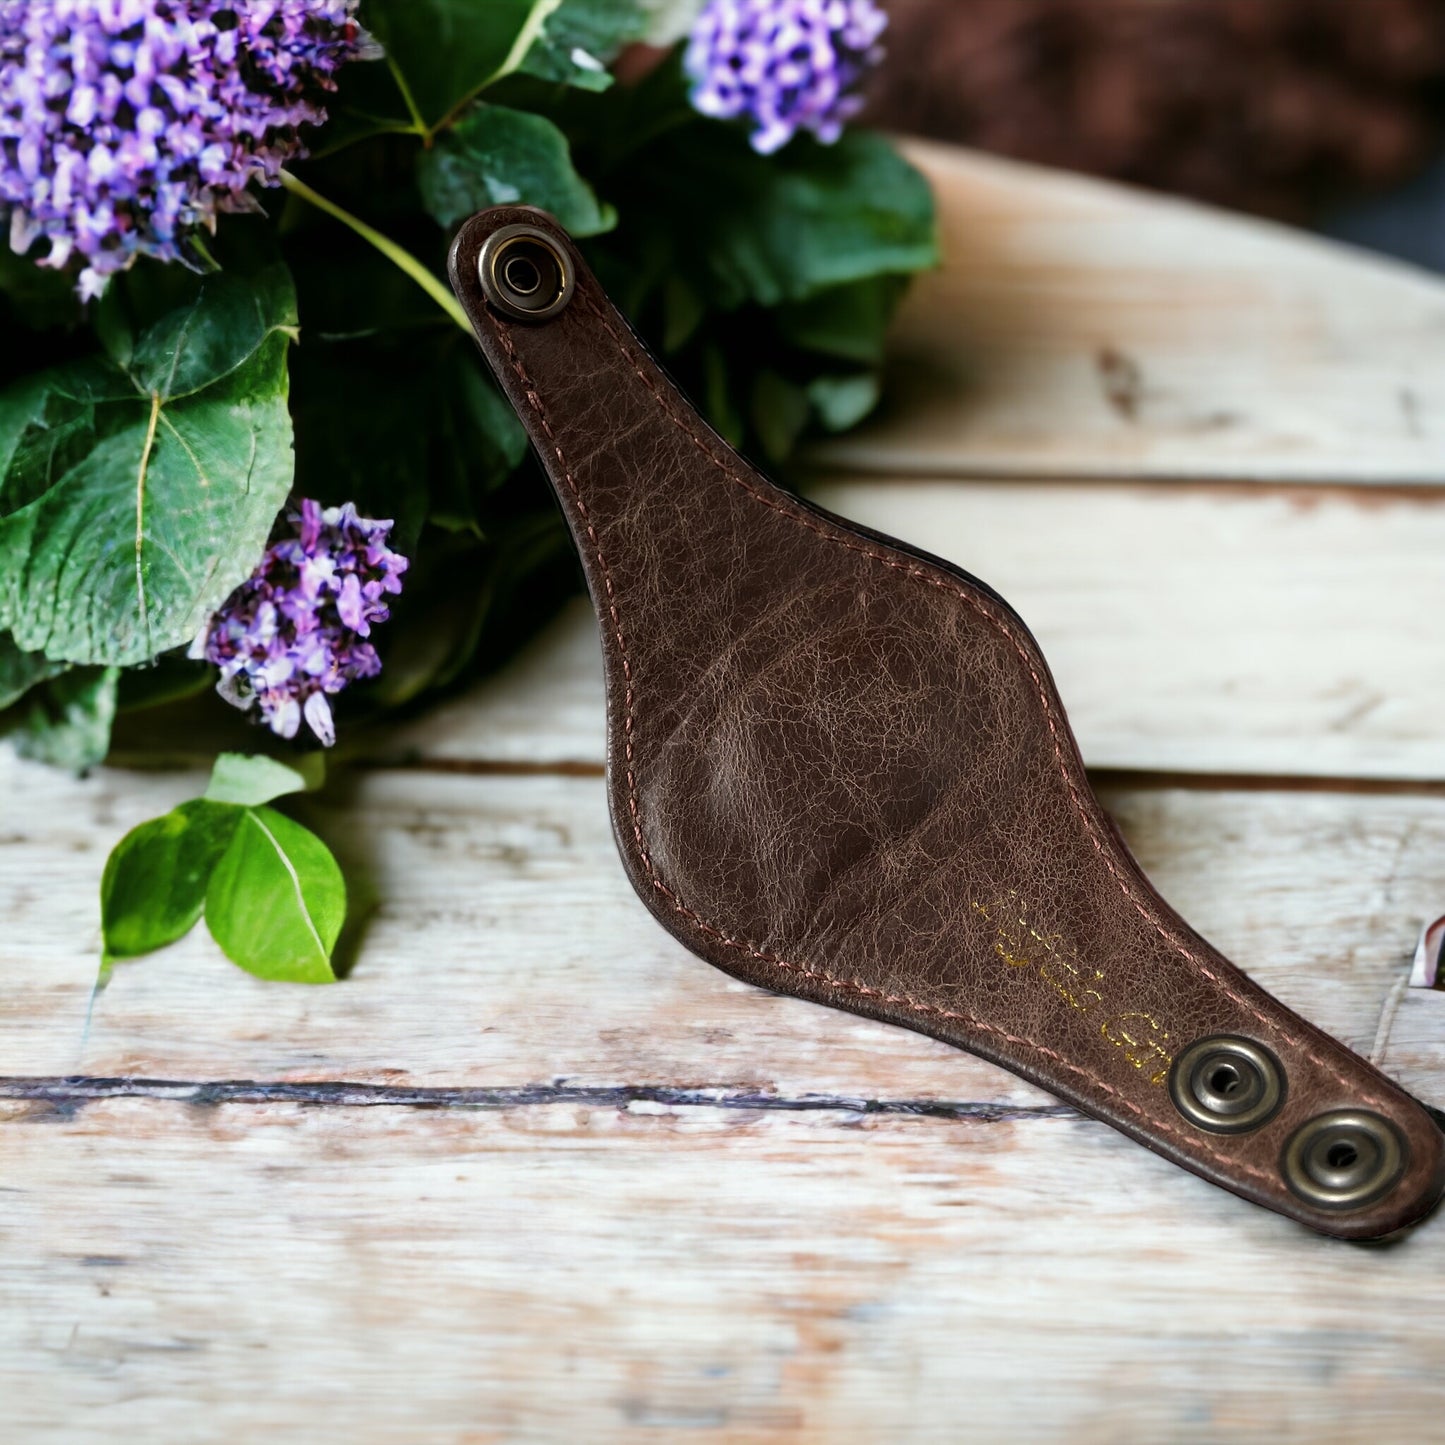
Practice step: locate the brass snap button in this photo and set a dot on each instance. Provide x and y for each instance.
(1227, 1085)
(525, 274)
(1344, 1159)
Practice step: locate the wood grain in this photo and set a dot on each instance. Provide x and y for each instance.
(533, 1173)
(509, 952)
(1287, 630)
(567, 1272)
(1077, 329)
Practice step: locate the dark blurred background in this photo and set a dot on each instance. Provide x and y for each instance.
(1327, 113)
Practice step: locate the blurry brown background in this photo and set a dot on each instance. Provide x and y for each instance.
(1327, 112)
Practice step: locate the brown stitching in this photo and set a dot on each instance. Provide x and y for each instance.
(664, 403)
(917, 1006)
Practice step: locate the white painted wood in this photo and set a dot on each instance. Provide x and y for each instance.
(1078, 328)
(509, 950)
(641, 1200)
(1225, 630)
(212, 1275)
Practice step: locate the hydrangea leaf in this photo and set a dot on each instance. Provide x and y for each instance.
(778, 414)
(580, 38)
(787, 227)
(66, 721)
(843, 401)
(665, 22)
(436, 449)
(251, 780)
(849, 322)
(276, 900)
(134, 499)
(498, 156)
(155, 880)
(744, 228)
(20, 671)
(446, 51)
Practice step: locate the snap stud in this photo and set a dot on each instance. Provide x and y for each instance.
(524, 273)
(1227, 1085)
(1344, 1159)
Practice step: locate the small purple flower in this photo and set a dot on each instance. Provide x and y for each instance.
(127, 125)
(787, 65)
(293, 632)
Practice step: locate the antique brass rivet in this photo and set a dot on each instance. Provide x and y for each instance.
(1344, 1159)
(524, 273)
(1227, 1085)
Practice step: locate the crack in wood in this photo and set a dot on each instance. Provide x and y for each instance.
(72, 1093)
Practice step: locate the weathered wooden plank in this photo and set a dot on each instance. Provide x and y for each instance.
(1226, 630)
(562, 1273)
(1078, 328)
(509, 951)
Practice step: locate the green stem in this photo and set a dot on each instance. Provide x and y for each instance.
(525, 39)
(397, 255)
(418, 123)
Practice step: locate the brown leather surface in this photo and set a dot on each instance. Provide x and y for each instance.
(838, 769)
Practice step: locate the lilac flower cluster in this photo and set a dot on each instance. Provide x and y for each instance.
(294, 632)
(787, 65)
(126, 125)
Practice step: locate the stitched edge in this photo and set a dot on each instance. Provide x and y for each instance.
(1235, 1166)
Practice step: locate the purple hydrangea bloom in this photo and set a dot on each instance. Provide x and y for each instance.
(787, 65)
(127, 125)
(295, 631)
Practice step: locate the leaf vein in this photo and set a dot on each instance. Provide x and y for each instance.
(295, 881)
(140, 502)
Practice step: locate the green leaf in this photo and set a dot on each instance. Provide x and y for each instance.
(497, 156)
(843, 401)
(779, 413)
(581, 38)
(772, 229)
(253, 779)
(437, 627)
(438, 447)
(447, 50)
(683, 311)
(717, 397)
(20, 671)
(156, 877)
(276, 900)
(134, 499)
(849, 322)
(789, 226)
(66, 722)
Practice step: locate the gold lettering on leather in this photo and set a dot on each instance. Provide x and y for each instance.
(1019, 944)
(1143, 1053)
(1075, 995)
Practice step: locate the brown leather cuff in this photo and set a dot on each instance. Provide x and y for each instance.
(838, 769)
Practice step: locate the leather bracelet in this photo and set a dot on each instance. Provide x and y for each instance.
(838, 769)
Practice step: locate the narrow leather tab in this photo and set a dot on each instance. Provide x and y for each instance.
(838, 769)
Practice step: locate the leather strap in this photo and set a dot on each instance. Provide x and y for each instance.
(838, 769)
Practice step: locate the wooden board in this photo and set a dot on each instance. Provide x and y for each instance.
(509, 952)
(1078, 329)
(1222, 630)
(565, 1272)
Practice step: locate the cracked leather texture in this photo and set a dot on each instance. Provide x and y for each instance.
(838, 769)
